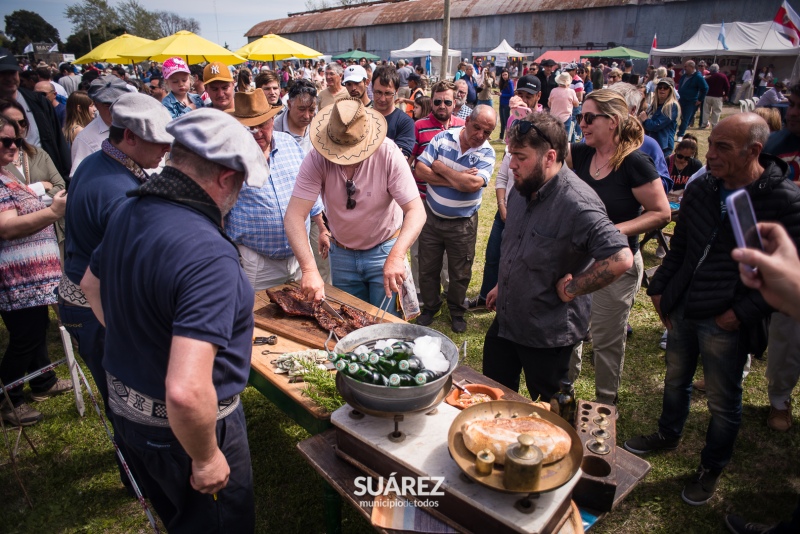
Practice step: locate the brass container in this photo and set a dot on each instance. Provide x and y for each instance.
(484, 462)
(523, 465)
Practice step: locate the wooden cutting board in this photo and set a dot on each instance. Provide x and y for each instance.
(305, 330)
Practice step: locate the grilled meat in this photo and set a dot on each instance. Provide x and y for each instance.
(329, 322)
(358, 318)
(292, 302)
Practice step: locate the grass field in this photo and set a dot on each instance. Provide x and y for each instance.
(74, 485)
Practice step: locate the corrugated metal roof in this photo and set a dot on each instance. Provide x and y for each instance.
(422, 10)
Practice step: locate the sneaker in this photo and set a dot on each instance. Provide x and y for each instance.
(700, 385)
(22, 415)
(459, 325)
(780, 420)
(663, 343)
(661, 253)
(425, 318)
(738, 525)
(475, 303)
(652, 443)
(61, 386)
(700, 490)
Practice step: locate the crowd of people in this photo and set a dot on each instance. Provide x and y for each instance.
(191, 188)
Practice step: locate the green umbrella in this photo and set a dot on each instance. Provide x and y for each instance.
(355, 54)
(619, 52)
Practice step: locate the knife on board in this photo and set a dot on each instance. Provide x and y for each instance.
(330, 309)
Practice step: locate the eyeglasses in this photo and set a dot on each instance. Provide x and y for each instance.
(682, 157)
(383, 94)
(612, 76)
(9, 141)
(589, 117)
(438, 102)
(461, 93)
(154, 87)
(351, 190)
(22, 123)
(524, 127)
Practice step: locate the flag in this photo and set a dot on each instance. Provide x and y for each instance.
(28, 49)
(721, 36)
(787, 22)
(655, 44)
(53, 48)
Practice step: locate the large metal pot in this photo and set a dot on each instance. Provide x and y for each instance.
(396, 399)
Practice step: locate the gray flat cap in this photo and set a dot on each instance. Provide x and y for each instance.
(216, 136)
(143, 115)
(106, 89)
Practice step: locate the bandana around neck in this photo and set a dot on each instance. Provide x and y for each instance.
(115, 153)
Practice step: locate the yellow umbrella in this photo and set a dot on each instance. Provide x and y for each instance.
(110, 50)
(193, 48)
(274, 48)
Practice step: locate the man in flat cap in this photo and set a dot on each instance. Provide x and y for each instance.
(178, 310)
(44, 130)
(370, 198)
(103, 91)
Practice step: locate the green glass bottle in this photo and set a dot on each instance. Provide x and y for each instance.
(425, 376)
(402, 350)
(341, 365)
(415, 365)
(401, 380)
(564, 404)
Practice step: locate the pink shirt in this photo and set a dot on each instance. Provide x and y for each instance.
(561, 102)
(383, 183)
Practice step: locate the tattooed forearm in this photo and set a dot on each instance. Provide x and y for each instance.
(601, 273)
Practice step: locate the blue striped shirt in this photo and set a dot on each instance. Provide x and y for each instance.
(256, 221)
(448, 202)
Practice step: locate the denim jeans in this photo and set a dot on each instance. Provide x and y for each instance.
(577, 131)
(688, 110)
(360, 272)
(491, 269)
(724, 357)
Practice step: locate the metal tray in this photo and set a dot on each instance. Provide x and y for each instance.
(553, 475)
(347, 394)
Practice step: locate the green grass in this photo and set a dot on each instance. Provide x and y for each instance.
(74, 485)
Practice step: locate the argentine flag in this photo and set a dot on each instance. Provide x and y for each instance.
(721, 37)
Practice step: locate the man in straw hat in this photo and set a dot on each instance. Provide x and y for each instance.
(255, 223)
(174, 392)
(370, 198)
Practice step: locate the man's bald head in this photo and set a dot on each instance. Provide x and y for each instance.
(734, 147)
(752, 127)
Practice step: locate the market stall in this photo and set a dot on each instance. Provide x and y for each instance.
(428, 47)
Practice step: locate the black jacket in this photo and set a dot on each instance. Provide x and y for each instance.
(714, 287)
(50, 134)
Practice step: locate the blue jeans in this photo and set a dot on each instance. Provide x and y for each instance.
(360, 272)
(688, 110)
(724, 358)
(491, 270)
(577, 131)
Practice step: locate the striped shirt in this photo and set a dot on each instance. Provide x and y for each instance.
(425, 130)
(256, 221)
(448, 202)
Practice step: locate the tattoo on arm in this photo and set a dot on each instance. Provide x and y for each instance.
(598, 276)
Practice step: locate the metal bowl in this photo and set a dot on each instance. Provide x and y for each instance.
(396, 399)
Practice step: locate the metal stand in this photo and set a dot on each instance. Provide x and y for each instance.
(12, 450)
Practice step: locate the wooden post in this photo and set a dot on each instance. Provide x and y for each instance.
(445, 40)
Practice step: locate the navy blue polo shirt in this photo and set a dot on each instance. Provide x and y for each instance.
(95, 192)
(165, 270)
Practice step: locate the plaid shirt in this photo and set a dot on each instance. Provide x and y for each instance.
(256, 221)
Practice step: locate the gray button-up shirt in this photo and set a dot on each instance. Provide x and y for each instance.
(560, 230)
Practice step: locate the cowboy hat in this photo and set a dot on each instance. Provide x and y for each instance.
(346, 132)
(251, 108)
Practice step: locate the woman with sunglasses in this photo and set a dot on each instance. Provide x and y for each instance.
(627, 182)
(683, 163)
(29, 274)
(660, 121)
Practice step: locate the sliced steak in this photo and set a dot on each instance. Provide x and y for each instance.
(356, 317)
(292, 302)
(329, 322)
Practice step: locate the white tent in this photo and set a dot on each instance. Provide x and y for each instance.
(742, 38)
(502, 49)
(427, 47)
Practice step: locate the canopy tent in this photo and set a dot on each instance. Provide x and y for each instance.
(110, 50)
(428, 47)
(502, 49)
(563, 56)
(356, 54)
(193, 48)
(274, 48)
(742, 38)
(619, 52)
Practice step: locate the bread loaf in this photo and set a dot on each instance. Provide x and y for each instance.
(500, 433)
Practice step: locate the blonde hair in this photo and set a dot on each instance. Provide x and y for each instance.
(661, 72)
(629, 134)
(564, 79)
(772, 116)
(667, 107)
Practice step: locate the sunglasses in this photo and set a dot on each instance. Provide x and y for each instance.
(9, 141)
(682, 157)
(589, 117)
(351, 190)
(524, 127)
(438, 102)
(155, 87)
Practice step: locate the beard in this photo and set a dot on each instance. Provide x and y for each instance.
(530, 184)
(460, 102)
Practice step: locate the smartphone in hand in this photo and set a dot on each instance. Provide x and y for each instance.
(743, 221)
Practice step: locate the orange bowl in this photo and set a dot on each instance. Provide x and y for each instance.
(453, 398)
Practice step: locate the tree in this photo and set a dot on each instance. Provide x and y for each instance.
(26, 27)
(137, 20)
(172, 22)
(92, 16)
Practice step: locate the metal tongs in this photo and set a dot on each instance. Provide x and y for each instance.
(379, 316)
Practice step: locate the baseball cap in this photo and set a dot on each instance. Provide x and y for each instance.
(143, 115)
(548, 63)
(107, 89)
(216, 72)
(8, 61)
(218, 137)
(571, 66)
(529, 84)
(173, 65)
(354, 73)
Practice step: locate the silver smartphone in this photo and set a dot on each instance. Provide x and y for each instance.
(743, 221)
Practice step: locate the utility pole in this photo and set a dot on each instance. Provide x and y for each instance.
(445, 40)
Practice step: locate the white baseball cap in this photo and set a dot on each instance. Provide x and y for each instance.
(354, 73)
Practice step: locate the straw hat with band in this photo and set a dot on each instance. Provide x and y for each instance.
(346, 132)
(251, 108)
